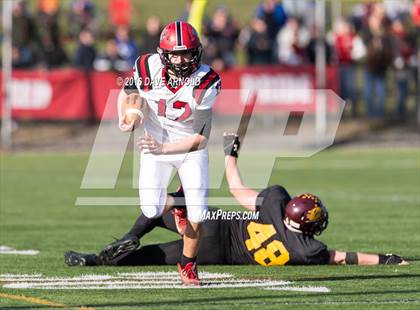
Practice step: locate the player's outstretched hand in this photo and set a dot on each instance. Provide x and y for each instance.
(231, 144)
(150, 145)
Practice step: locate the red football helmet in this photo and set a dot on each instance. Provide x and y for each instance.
(306, 214)
(180, 37)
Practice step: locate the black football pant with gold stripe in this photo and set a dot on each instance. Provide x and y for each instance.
(211, 250)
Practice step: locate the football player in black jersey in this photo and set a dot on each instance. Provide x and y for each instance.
(283, 234)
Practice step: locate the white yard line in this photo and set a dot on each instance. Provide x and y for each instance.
(170, 274)
(144, 281)
(9, 250)
(318, 289)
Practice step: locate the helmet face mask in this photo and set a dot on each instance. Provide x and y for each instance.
(184, 68)
(306, 214)
(179, 38)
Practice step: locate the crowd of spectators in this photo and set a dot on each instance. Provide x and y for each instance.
(379, 35)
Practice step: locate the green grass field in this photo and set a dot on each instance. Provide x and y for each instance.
(372, 196)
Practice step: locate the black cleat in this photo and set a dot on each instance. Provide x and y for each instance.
(118, 249)
(72, 258)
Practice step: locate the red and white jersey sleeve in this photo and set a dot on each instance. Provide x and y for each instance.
(207, 88)
(171, 108)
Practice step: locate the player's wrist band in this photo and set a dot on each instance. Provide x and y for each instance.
(134, 111)
(351, 258)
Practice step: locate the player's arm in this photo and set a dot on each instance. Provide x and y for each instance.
(197, 141)
(246, 196)
(202, 128)
(190, 144)
(358, 258)
(202, 117)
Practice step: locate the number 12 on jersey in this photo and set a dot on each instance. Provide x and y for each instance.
(177, 105)
(274, 253)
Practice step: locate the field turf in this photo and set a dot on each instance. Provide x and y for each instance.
(372, 196)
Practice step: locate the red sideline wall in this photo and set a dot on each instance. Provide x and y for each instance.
(70, 94)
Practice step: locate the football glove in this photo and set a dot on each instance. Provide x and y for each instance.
(231, 144)
(390, 259)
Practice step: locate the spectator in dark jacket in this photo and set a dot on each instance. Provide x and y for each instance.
(127, 47)
(85, 53)
(257, 42)
(111, 60)
(378, 60)
(312, 47)
(273, 14)
(26, 41)
(220, 36)
(81, 15)
(151, 37)
(48, 17)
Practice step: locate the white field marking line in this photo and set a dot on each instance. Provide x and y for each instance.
(125, 282)
(70, 281)
(168, 280)
(120, 276)
(49, 279)
(9, 250)
(144, 282)
(20, 276)
(318, 289)
(151, 274)
(120, 286)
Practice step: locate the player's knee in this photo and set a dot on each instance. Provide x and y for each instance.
(196, 201)
(151, 211)
(196, 217)
(196, 214)
(152, 203)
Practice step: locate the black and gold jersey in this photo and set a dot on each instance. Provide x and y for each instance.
(268, 242)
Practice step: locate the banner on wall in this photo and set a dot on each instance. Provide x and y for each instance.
(49, 95)
(69, 94)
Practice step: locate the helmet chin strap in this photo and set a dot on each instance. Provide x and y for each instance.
(289, 224)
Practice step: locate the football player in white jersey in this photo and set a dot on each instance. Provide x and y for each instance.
(179, 92)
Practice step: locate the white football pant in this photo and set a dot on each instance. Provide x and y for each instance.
(155, 174)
